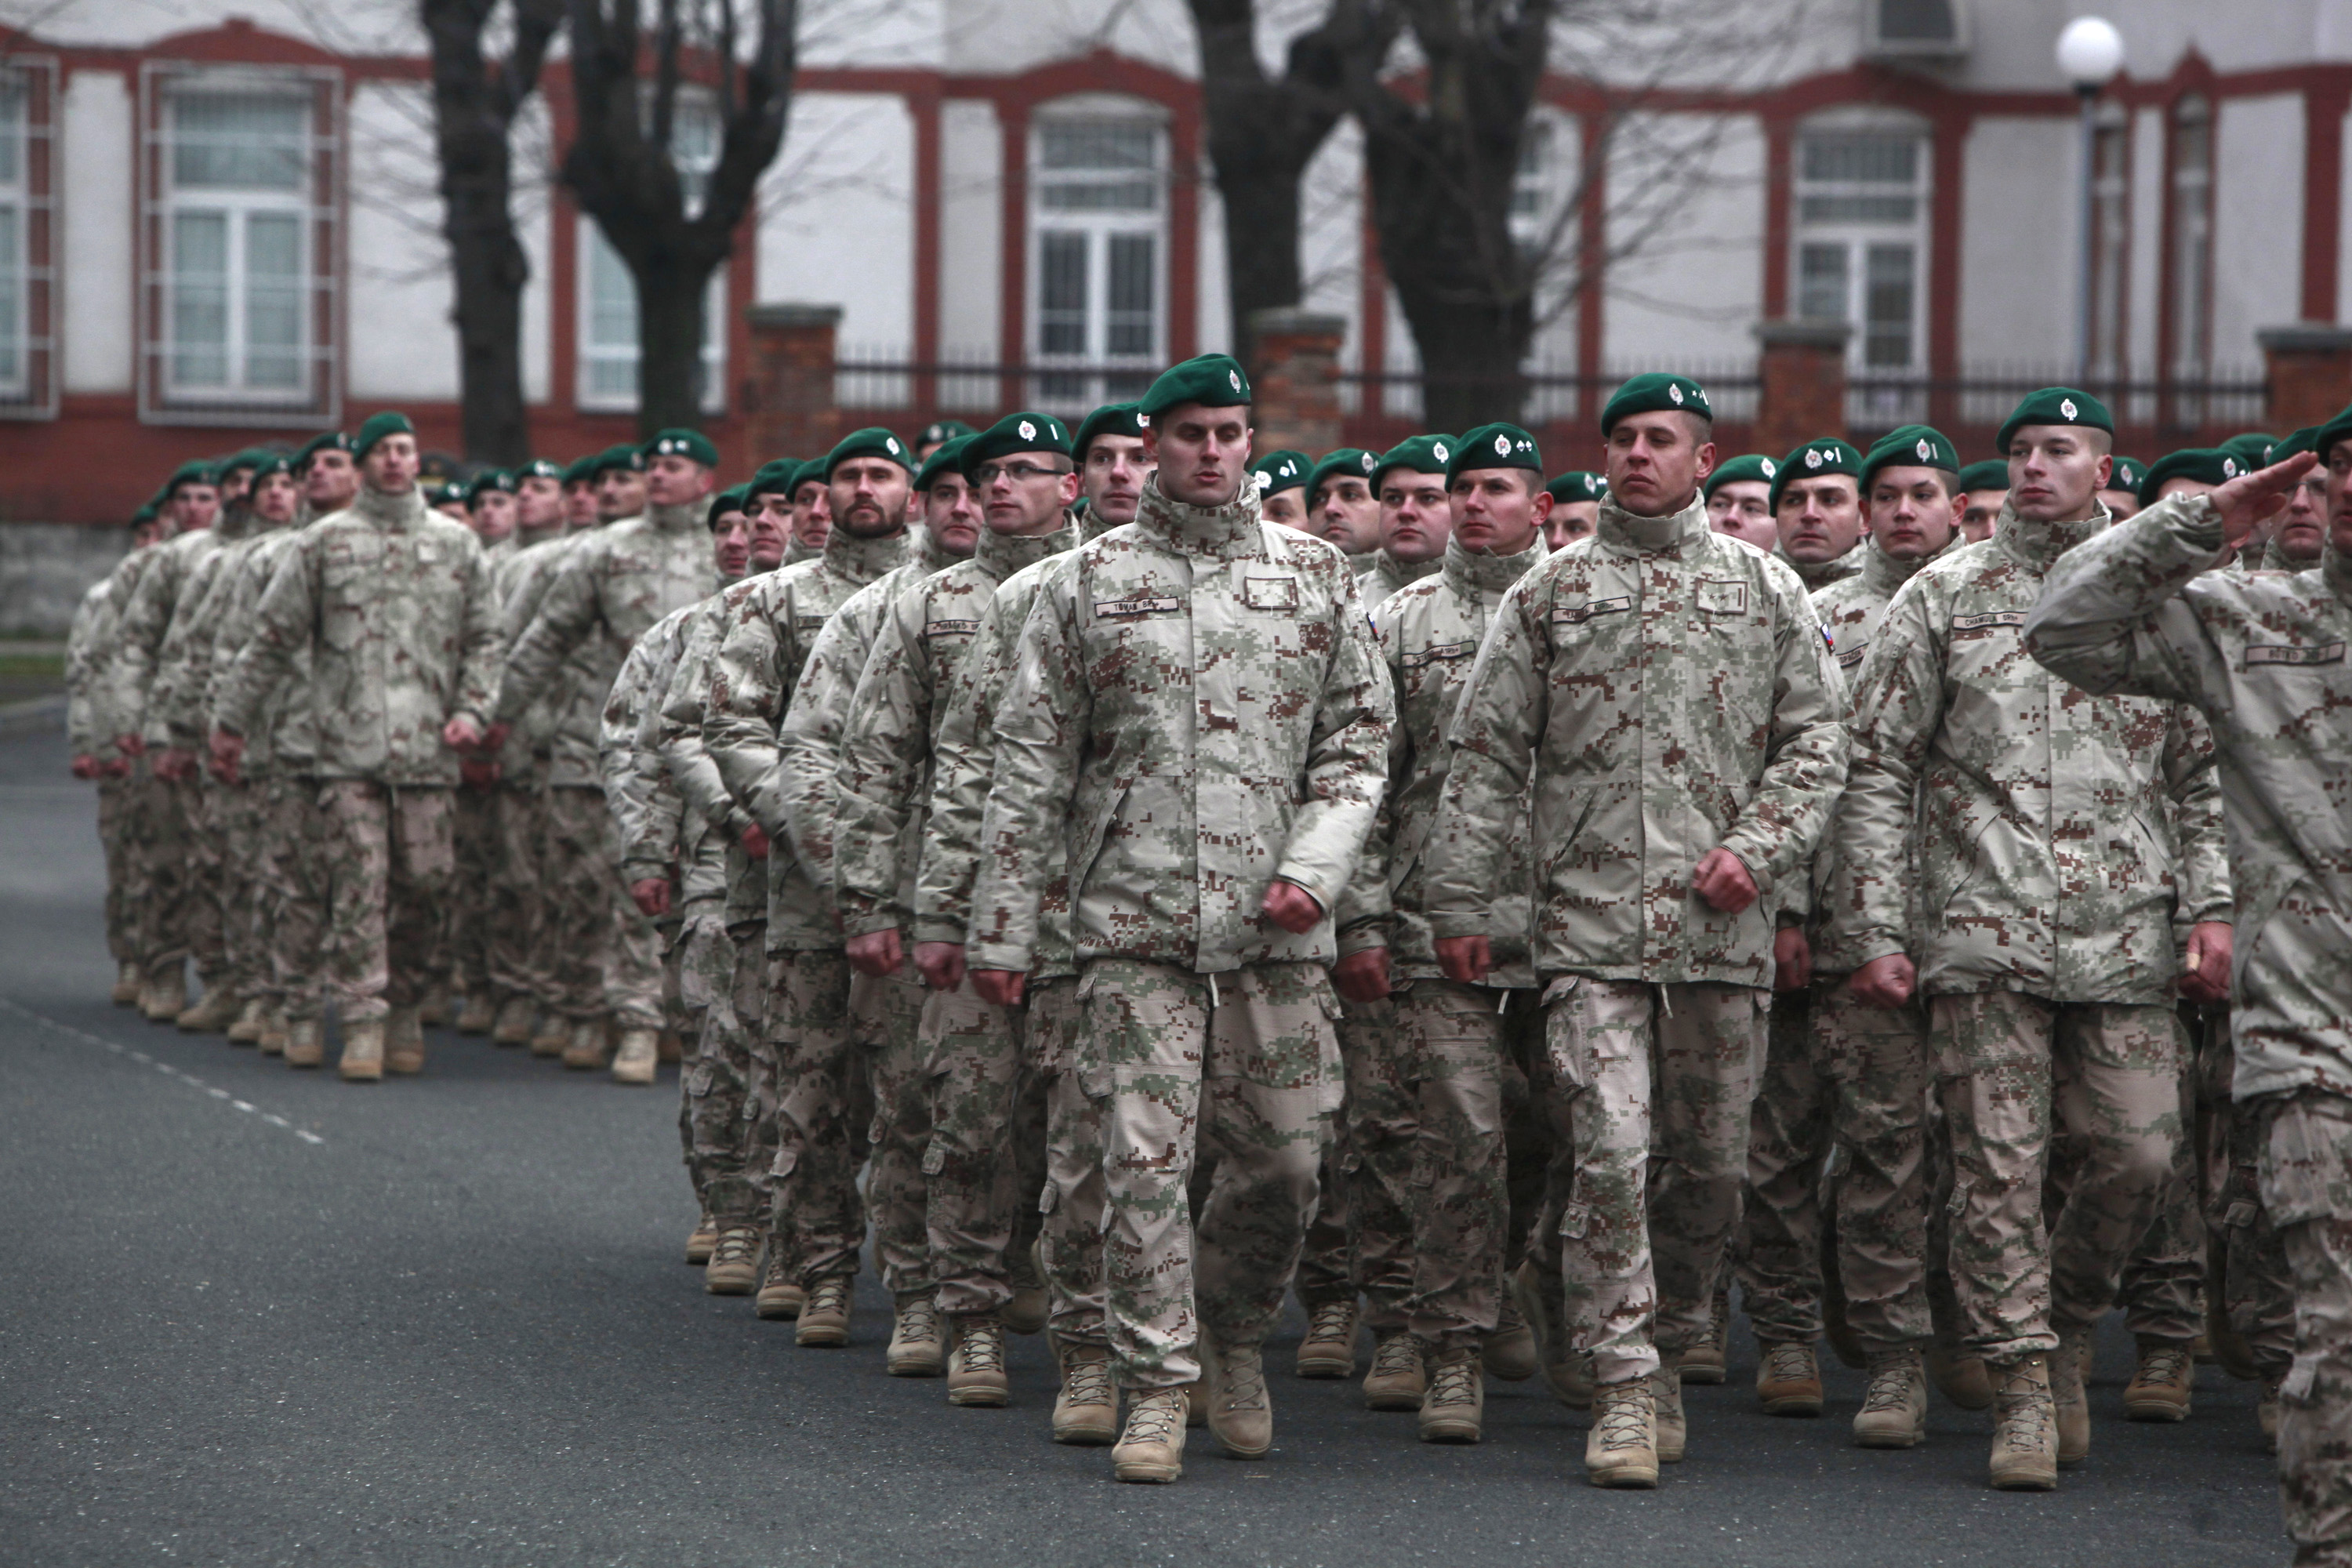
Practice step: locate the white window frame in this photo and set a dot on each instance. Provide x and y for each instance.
(317, 205)
(29, 390)
(1861, 237)
(594, 251)
(1088, 385)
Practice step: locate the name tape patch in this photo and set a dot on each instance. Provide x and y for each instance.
(1990, 618)
(1443, 651)
(2284, 653)
(1577, 614)
(1848, 657)
(950, 628)
(1721, 597)
(1148, 604)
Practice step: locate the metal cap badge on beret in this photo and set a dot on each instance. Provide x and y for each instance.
(624, 454)
(391, 422)
(1500, 444)
(1347, 462)
(251, 458)
(2056, 405)
(581, 470)
(2126, 475)
(1992, 474)
(194, 472)
(1655, 392)
(1426, 454)
(1026, 432)
(948, 460)
(1909, 446)
(487, 480)
(2206, 465)
(939, 430)
(691, 444)
(1826, 456)
(736, 497)
(1213, 381)
(776, 477)
(267, 463)
(1110, 419)
(2252, 450)
(873, 441)
(1279, 471)
(1577, 484)
(1749, 469)
(538, 469)
(322, 441)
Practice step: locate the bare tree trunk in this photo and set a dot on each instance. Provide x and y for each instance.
(670, 331)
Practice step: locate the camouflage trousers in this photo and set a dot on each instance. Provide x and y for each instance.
(1241, 1070)
(386, 858)
(242, 811)
(159, 826)
(1071, 1203)
(608, 956)
(1379, 1125)
(117, 844)
(1462, 1048)
(1660, 1077)
(2250, 1263)
(514, 941)
(822, 1112)
(2162, 1287)
(1844, 1084)
(203, 808)
(293, 913)
(2306, 1184)
(719, 988)
(885, 1023)
(471, 916)
(984, 1168)
(2005, 1066)
(1327, 1268)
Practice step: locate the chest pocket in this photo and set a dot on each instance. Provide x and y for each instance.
(349, 582)
(1263, 590)
(1719, 597)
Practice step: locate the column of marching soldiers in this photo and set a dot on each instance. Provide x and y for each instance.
(1132, 881)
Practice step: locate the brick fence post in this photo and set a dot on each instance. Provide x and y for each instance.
(1297, 379)
(2309, 369)
(1801, 376)
(792, 411)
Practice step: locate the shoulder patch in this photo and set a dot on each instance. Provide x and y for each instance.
(1721, 597)
(1147, 605)
(1445, 650)
(950, 628)
(1990, 618)
(1577, 614)
(2287, 654)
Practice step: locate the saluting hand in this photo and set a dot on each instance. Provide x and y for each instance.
(2247, 500)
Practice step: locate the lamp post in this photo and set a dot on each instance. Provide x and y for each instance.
(2090, 52)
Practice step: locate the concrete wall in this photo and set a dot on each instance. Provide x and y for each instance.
(1686, 199)
(2017, 287)
(402, 343)
(95, 153)
(45, 569)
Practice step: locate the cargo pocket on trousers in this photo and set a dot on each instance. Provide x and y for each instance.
(2303, 1163)
(1563, 1041)
(934, 1158)
(698, 1082)
(1330, 1072)
(783, 1164)
(1575, 1219)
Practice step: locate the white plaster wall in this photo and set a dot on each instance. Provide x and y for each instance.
(2146, 301)
(2018, 260)
(535, 227)
(1212, 310)
(1685, 235)
(403, 341)
(837, 222)
(971, 231)
(1332, 231)
(2257, 223)
(983, 36)
(97, 183)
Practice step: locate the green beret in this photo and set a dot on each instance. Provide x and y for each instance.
(581, 470)
(873, 441)
(1026, 432)
(1992, 474)
(391, 422)
(1110, 419)
(1278, 471)
(267, 463)
(947, 459)
(487, 480)
(1827, 456)
(2336, 429)
(1420, 454)
(2206, 465)
(1754, 468)
(326, 440)
(738, 499)
(195, 472)
(1500, 444)
(538, 469)
(1910, 447)
(2304, 440)
(625, 454)
(1347, 462)
(2056, 405)
(691, 444)
(2127, 475)
(145, 514)
(777, 478)
(1655, 393)
(939, 430)
(814, 471)
(251, 458)
(1213, 381)
(1577, 485)
(2251, 449)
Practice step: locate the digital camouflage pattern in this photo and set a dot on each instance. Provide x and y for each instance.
(817, 1218)
(727, 1096)
(1662, 690)
(1382, 574)
(2307, 1184)
(386, 857)
(1851, 605)
(676, 734)
(1819, 575)
(521, 582)
(1379, 1126)
(146, 619)
(657, 832)
(294, 896)
(2059, 835)
(1073, 1195)
(285, 738)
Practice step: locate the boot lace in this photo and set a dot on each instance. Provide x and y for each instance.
(981, 1347)
(1790, 1363)
(2165, 1365)
(1621, 1413)
(1455, 1380)
(1508, 1317)
(918, 1319)
(1086, 1380)
(1890, 1387)
(735, 1245)
(828, 1295)
(1241, 1379)
(2027, 1413)
(1397, 1355)
(1333, 1320)
(1157, 1418)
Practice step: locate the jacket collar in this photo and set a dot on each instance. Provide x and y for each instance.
(385, 510)
(1818, 575)
(1621, 530)
(675, 519)
(1882, 574)
(1400, 573)
(1228, 533)
(2038, 544)
(1002, 555)
(2337, 571)
(1472, 573)
(861, 560)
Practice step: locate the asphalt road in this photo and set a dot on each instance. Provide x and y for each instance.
(259, 1316)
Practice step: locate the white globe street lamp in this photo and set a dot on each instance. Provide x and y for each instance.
(2090, 53)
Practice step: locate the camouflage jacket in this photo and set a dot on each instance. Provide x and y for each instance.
(285, 738)
(676, 734)
(176, 688)
(754, 675)
(1430, 634)
(2140, 609)
(394, 603)
(1388, 575)
(607, 593)
(99, 675)
(1852, 606)
(884, 784)
(1663, 690)
(963, 761)
(146, 620)
(93, 625)
(520, 582)
(2054, 829)
(657, 833)
(1202, 694)
(1817, 577)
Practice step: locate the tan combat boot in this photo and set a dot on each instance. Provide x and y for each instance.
(2159, 1388)
(164, 998)
(733, 1266)
(918, 1345)
(2266, 1416)
(1240, 1412)
(1566, 1371)
(1398, 1380)
(1959, 1377)
(702, 1240)
(1454, 1408)
(672, 1047)
(976, 1366)
(1027, 1313)
(126, 985)
(1509, 1353)
(2070, 1365)
(1669, 1428)
(2025, 1427)
(825, 1315)
(1086, 1411)
(1621, 1449)
(635, 1062)
(586, 1051)
(306, 1042)
(550, 1036)
(477, 1014)
(513, 1024)
(214, 1013)
(1330, 1348)
(1704, 1362)
(272, 1039)
(781, 1295)
(1893, 1411)
(1153, 1446)
(1789, 1379)
(404, 1041)
(247, 1029)
(362, 1059)
(434, 1009)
